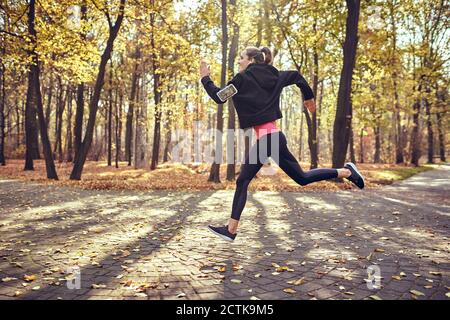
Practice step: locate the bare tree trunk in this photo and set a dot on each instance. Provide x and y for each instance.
(131, 107)
(157, 99)
(441, 137)
(166, 155)
(259, 26)
(31, 134)
(376, 156)
(231, 145)
(93, 104)
(49, 99)
(61, 108)
(118, 127)
(78, 129)
(342, 121)
(19, 123)
(319, 114)
(312, 127)
(361, 146)
(398, 127)
(168, 124)
(34, 94)
(398, 136)
(429, 131)
(139, 138)
(69, 126)
(110, 114)
(214, 174)
(2, 113)
(352, 145)
(300, 149)
(441, 98)
(415, 135)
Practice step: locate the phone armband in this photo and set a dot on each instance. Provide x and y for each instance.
(227, 92)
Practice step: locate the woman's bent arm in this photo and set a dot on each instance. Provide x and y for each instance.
(294, 77)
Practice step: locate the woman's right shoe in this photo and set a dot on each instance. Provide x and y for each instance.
(222, 232)
(355, 177)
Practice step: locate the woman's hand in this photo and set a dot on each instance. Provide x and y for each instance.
(204, 69)
(310, 105)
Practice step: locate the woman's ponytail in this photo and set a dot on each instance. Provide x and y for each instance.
(267, 55)
(262, 55)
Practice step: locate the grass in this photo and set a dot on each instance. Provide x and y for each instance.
(401, 173)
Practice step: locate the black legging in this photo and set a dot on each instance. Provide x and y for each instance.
(266, 146)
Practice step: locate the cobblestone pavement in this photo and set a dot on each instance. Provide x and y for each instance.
(291, 245)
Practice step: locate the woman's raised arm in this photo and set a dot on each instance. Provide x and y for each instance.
(209, 85)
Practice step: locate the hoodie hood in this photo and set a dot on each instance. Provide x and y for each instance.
(265, 75)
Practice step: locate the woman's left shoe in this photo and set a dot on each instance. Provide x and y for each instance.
(355, 177)
(222, 232)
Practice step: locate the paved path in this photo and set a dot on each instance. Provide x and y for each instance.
(154, 245)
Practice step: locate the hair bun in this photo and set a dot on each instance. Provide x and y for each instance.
(260, 55)
(267, 54)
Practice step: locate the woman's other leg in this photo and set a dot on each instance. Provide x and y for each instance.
(287, 162)
(255, 159)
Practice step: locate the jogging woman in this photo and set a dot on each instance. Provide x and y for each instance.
(259, 86)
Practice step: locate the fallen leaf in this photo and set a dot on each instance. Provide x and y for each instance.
(140, 294)
(297, 282)
(375, 297)
(237, 267)
(128, 283)
(235, 281)
(417, 293)
(289, 290)
(31, 278)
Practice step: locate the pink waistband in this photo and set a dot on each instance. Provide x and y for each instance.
(265, 128)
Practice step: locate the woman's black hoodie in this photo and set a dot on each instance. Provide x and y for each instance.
(259, 88)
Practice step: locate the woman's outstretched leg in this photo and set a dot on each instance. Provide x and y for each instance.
(287, 162)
